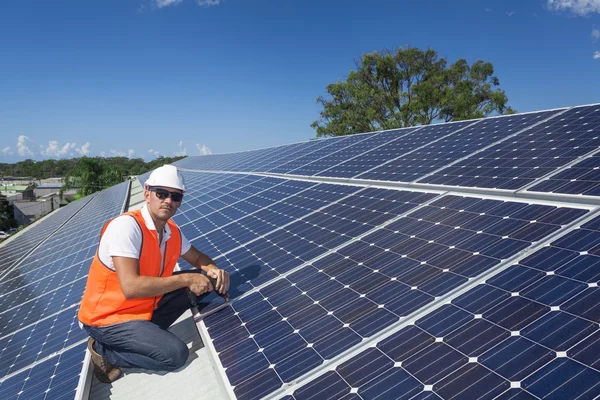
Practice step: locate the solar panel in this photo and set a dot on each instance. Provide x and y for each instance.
(530, 331)
(315, 313)
(463, 141)
(41, 349)
(404, 142)
(583, 178)
(18, 247)
(534, 153)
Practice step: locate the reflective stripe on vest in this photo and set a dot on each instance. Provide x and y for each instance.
(103, 301)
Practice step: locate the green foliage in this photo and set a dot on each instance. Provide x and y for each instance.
(409, 87)
(87, 174)
(7, 214)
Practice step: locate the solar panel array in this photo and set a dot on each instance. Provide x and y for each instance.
(357, 291)
(445, 261)
(41, 344)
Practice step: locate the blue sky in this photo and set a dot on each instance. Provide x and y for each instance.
(147, 77)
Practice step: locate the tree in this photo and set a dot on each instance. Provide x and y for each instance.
(409, 87)
(7, 214)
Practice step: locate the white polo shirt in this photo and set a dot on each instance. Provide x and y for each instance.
(123, 238)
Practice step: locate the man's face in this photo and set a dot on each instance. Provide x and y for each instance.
(161, 209)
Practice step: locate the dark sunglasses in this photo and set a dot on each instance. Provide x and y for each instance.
(163, 194)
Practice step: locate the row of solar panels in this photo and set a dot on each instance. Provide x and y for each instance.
(508, 152)
(42, 347)
(323, 268)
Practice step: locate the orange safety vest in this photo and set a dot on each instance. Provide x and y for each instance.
(103, 301)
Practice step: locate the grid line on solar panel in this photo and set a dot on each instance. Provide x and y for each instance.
(484, 329)
(254, 205)
(375, 140)
(580, 177)
(267, 195)
(284, 301)
(390, 150)
(54, 378)
(271, 254)
(520, 160)
(48, 336)
(300, 199)
(39, 314)
(337, 145)
(76, 237)
(16, 249)
(453, 147)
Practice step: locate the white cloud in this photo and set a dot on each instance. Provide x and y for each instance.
(510, 13)
(595, 34)
(182, 150)
(84, 150)
(155, 152)
(23, 143)
(102, 154)
(165, 3)
(488, 10)
(208, 3)
(6, 150)
(203, 149)
(116, 153)
(578, 7)
(130, 153)
(54, 149)
(596, 55)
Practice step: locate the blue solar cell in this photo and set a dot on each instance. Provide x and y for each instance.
(444, 320)
(559, 331)
(395, 383)
(586, 304)
(549, 381)
(329, 386)
(472, 381)
(434, 362)
(516, 358)
(475, 337)
(358, 371)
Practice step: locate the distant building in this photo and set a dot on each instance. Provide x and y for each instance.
(47, 188)
(27, 211)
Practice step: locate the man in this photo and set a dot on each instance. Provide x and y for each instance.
(132, 295)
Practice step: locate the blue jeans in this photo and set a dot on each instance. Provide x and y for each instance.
(146, 344)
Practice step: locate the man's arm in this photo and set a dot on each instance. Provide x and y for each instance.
(135, 285)
(201, 261)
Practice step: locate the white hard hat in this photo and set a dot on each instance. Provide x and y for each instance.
(167, 176)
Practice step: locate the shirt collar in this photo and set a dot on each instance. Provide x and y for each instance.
(150, 223)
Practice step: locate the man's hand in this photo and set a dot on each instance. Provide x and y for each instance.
(199, 284)
(221, 276)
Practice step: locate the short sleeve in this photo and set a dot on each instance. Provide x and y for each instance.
(122, 238)
(185, 244)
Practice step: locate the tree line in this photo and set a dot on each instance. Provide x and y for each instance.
(51, 168)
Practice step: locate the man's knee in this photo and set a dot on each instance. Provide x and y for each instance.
(176, 354)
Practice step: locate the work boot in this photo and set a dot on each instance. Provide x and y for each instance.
(104, 371)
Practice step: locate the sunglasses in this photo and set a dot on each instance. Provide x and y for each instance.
(163, 194)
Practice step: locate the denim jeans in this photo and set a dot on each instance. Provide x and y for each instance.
(146, 344)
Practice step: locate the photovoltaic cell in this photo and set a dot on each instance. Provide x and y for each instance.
(464, 140)
(390, 150)
(323, 309)
(582, 178)
(532, 154)
(21, 245)
(531, 331)
(38, 318)
(369, 142)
